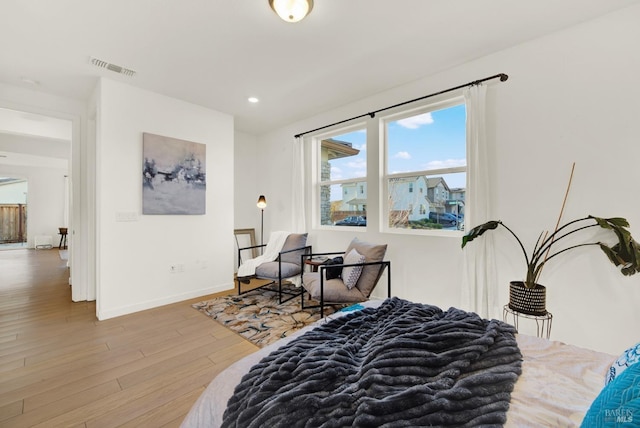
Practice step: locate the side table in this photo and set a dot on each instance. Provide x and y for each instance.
(315, 262)
(543, 322)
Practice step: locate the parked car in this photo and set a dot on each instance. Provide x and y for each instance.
(353, 220)
(445, 219)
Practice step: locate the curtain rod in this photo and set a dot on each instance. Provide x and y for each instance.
(503, 77)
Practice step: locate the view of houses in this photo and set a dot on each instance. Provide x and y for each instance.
(417, 202)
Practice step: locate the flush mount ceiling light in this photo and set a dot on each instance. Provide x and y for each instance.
(291, 10)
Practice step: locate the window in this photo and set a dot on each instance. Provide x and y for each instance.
(422, 171)
(341, 166)
(426, 148)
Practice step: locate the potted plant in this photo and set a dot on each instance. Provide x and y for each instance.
(528, 296)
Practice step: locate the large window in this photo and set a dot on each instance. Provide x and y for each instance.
(426, 163)
(342, 178)
(421, 167)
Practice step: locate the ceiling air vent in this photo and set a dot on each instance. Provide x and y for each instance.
(113, 67)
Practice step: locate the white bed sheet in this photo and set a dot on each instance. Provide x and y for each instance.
(556, 387)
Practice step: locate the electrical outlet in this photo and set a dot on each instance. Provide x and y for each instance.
(175, 268)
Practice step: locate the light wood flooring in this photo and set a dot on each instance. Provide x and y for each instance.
(61, 367)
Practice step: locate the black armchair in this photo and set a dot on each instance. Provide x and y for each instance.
(288, 264)
(356, 281)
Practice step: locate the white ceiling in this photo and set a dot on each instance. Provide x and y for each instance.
(217, 53)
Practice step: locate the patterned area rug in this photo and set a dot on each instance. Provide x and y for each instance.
(258, 317)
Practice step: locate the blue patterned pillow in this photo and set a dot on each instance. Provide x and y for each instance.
(628, 358)
(618, 404)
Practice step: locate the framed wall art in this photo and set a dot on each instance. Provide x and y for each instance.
(173, 176)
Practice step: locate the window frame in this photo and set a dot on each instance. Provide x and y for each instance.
(452, 100)
(316, 171)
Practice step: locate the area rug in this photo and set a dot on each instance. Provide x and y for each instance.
(258, 317)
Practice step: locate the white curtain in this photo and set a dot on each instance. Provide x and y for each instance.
(298, 212)
(479, 283)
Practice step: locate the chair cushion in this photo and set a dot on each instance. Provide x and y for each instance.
(334, 289)
(269, 270)
(293, 241)
(370, 274)
(351, 274)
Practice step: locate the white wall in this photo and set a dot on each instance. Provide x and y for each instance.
(134, 258)
(14, 193)
(571, 96)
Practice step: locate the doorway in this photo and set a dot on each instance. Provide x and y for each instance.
(13, 213)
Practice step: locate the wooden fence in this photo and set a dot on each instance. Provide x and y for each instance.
(339, 215)
(13, 223)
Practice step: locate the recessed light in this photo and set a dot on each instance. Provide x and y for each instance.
(253, 100)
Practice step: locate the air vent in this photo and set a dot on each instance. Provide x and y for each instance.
(113, 67)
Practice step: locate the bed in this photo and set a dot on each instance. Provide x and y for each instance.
(501, 377)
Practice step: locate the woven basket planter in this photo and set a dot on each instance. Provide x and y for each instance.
(530, 301)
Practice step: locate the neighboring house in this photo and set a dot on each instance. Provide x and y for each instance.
(410, 196)
(438, 193)
(354, 196)
(413, 198)
(456, 202)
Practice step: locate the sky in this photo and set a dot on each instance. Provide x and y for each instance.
(423, 142)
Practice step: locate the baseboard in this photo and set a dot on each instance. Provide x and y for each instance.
(150, 304)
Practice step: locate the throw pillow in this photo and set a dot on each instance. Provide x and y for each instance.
(618, 404)
(629, 356)
(370, 273)
(351, 274)
(333, 272)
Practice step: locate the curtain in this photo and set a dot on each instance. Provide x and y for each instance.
(479, 282)
(298, 214)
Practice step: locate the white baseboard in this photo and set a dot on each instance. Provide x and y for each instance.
(150, 304)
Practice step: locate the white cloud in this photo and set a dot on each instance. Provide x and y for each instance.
(415, 122)
(448, 163)
(358, 164)
(402, 155)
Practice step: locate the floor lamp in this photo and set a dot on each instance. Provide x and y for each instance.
(262, 204)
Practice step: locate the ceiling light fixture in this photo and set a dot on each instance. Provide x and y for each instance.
(253, 100)
(291, 10)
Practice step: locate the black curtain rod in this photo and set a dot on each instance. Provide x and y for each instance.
(503, 77)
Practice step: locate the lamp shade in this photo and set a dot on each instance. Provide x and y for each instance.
(262, 202)
(291, 10)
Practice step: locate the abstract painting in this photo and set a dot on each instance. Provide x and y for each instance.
(173, 176)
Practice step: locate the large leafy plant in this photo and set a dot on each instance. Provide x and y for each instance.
(625, 254)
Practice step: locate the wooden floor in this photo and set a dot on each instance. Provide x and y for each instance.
(60, 366)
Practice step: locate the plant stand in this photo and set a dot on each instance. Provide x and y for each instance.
(543, 322)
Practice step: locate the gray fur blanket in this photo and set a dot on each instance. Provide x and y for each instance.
(401, 364)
